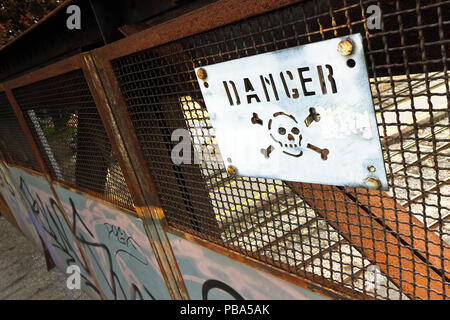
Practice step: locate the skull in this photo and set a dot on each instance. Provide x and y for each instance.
(284, 130)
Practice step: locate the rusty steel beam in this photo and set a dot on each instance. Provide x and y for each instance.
(112, 110)
(410, 229)
(162, 16)
(206, 18)
(225, 12)
(53, 70)
(399, 262)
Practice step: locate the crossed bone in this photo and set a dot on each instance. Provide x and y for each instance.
(267, 151)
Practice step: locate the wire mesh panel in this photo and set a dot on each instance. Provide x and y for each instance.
(65, 123)
(13, 143)
(392, 245)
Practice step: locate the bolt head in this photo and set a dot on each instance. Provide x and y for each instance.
(201, 74)
(317, 117)
(373, 183)
(371, 168)
(345, 47)
(231, 170)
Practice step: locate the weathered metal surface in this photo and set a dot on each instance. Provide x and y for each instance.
(229, 11)
(13, 142)
(111, 107)
(411, 230)
(49, 71)
(299, 114)
(395, 259)
(206, 18)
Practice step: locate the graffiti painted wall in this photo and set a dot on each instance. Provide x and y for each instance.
(15, 203)
(117, 246)
(52, 227)
(113, 251)
(209, 275)
(110, 246)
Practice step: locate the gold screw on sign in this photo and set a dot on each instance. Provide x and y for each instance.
(373, 183)
(345, 47)
(201, 74)
(231, 170)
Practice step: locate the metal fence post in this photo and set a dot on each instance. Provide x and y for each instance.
(118, 126)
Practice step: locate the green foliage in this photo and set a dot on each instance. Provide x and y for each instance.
(18, 15)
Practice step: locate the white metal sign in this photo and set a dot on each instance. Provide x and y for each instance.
(301, 114)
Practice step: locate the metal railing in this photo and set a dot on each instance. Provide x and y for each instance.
(363, 243)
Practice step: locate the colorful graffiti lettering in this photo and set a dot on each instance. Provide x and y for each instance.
(110, 247)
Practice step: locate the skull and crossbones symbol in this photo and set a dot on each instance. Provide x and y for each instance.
(284, 131)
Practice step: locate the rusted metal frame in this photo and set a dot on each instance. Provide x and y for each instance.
(376, 245)
(25, 129)
(28, 170)
(56, 69)
(313, 283)
(206, 18)
(224, 12)
(410, 229)
(46, 173)
(95, 197)
(53, 70)
(112, 109)
(162, 16)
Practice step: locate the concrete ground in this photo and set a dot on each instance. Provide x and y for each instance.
(23, 272)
